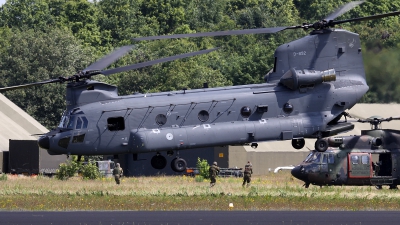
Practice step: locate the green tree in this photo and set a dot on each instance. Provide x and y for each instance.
(34, 56)
(170, 15)
(67, 170)
(382, 75)
(90, 171)
(203, 167)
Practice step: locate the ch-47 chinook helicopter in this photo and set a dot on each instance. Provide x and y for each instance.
(349, 159)
(314, 80)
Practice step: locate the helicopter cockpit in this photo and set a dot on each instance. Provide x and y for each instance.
(73, 121)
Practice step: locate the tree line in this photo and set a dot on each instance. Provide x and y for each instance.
(45, 39)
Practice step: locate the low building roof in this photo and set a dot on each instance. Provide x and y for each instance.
(16, 124)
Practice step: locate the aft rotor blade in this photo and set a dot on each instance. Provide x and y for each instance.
(343, 9)
(109, 59)
(367, 18)
(150, 63)
(30, 85)
(215, 33)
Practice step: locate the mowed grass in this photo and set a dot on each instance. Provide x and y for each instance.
(271, 192)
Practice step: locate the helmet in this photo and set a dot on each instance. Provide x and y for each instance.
(215, 163)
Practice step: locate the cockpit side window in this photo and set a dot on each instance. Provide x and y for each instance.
(78, 123)
(85, 122)
(81, 123)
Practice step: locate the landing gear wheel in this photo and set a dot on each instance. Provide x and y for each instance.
(178, 165)
(379, 187)
(298, 143)
(321, 145)
(158, 162)
(393, 187)
(306, 185)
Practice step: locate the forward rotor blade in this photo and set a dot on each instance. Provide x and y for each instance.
(215, 33)
(109, 59)
(343, 9)
(367, 18)
(30, 85)
(150, 63)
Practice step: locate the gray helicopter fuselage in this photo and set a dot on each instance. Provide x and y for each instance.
(297, 102)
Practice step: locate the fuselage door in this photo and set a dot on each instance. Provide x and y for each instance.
(359, 165)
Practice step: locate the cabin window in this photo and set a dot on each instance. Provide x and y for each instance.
(245, 112)
(116, 123)
(161, 119)
(354, 159)
(288, 108)
(365, 159)
(203, 115)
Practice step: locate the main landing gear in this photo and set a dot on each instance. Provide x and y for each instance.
(321, 144)
(298, 143)
(160, 162)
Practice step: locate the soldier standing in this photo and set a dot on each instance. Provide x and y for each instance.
(248, 170)
(214, 171)
(117, 172)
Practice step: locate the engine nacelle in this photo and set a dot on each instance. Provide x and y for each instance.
(299, 79)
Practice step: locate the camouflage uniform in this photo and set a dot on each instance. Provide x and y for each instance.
(117, 172)
(214, 171)
(248, 170)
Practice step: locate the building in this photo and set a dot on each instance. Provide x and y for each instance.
(17, 125)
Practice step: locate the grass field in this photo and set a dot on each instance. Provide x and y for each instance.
(271, 192)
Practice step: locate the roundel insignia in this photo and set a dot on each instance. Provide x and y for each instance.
(169, 136)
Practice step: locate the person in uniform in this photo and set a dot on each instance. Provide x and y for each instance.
(117, 172)
(214, 171)
(248, 170)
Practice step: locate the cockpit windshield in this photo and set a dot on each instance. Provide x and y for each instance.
(313, 157)
(68, 120)
(64, 120)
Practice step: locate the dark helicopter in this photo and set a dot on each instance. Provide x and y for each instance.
(314, 80)
(349, 160)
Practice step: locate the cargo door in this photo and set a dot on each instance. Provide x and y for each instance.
(359, 165)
